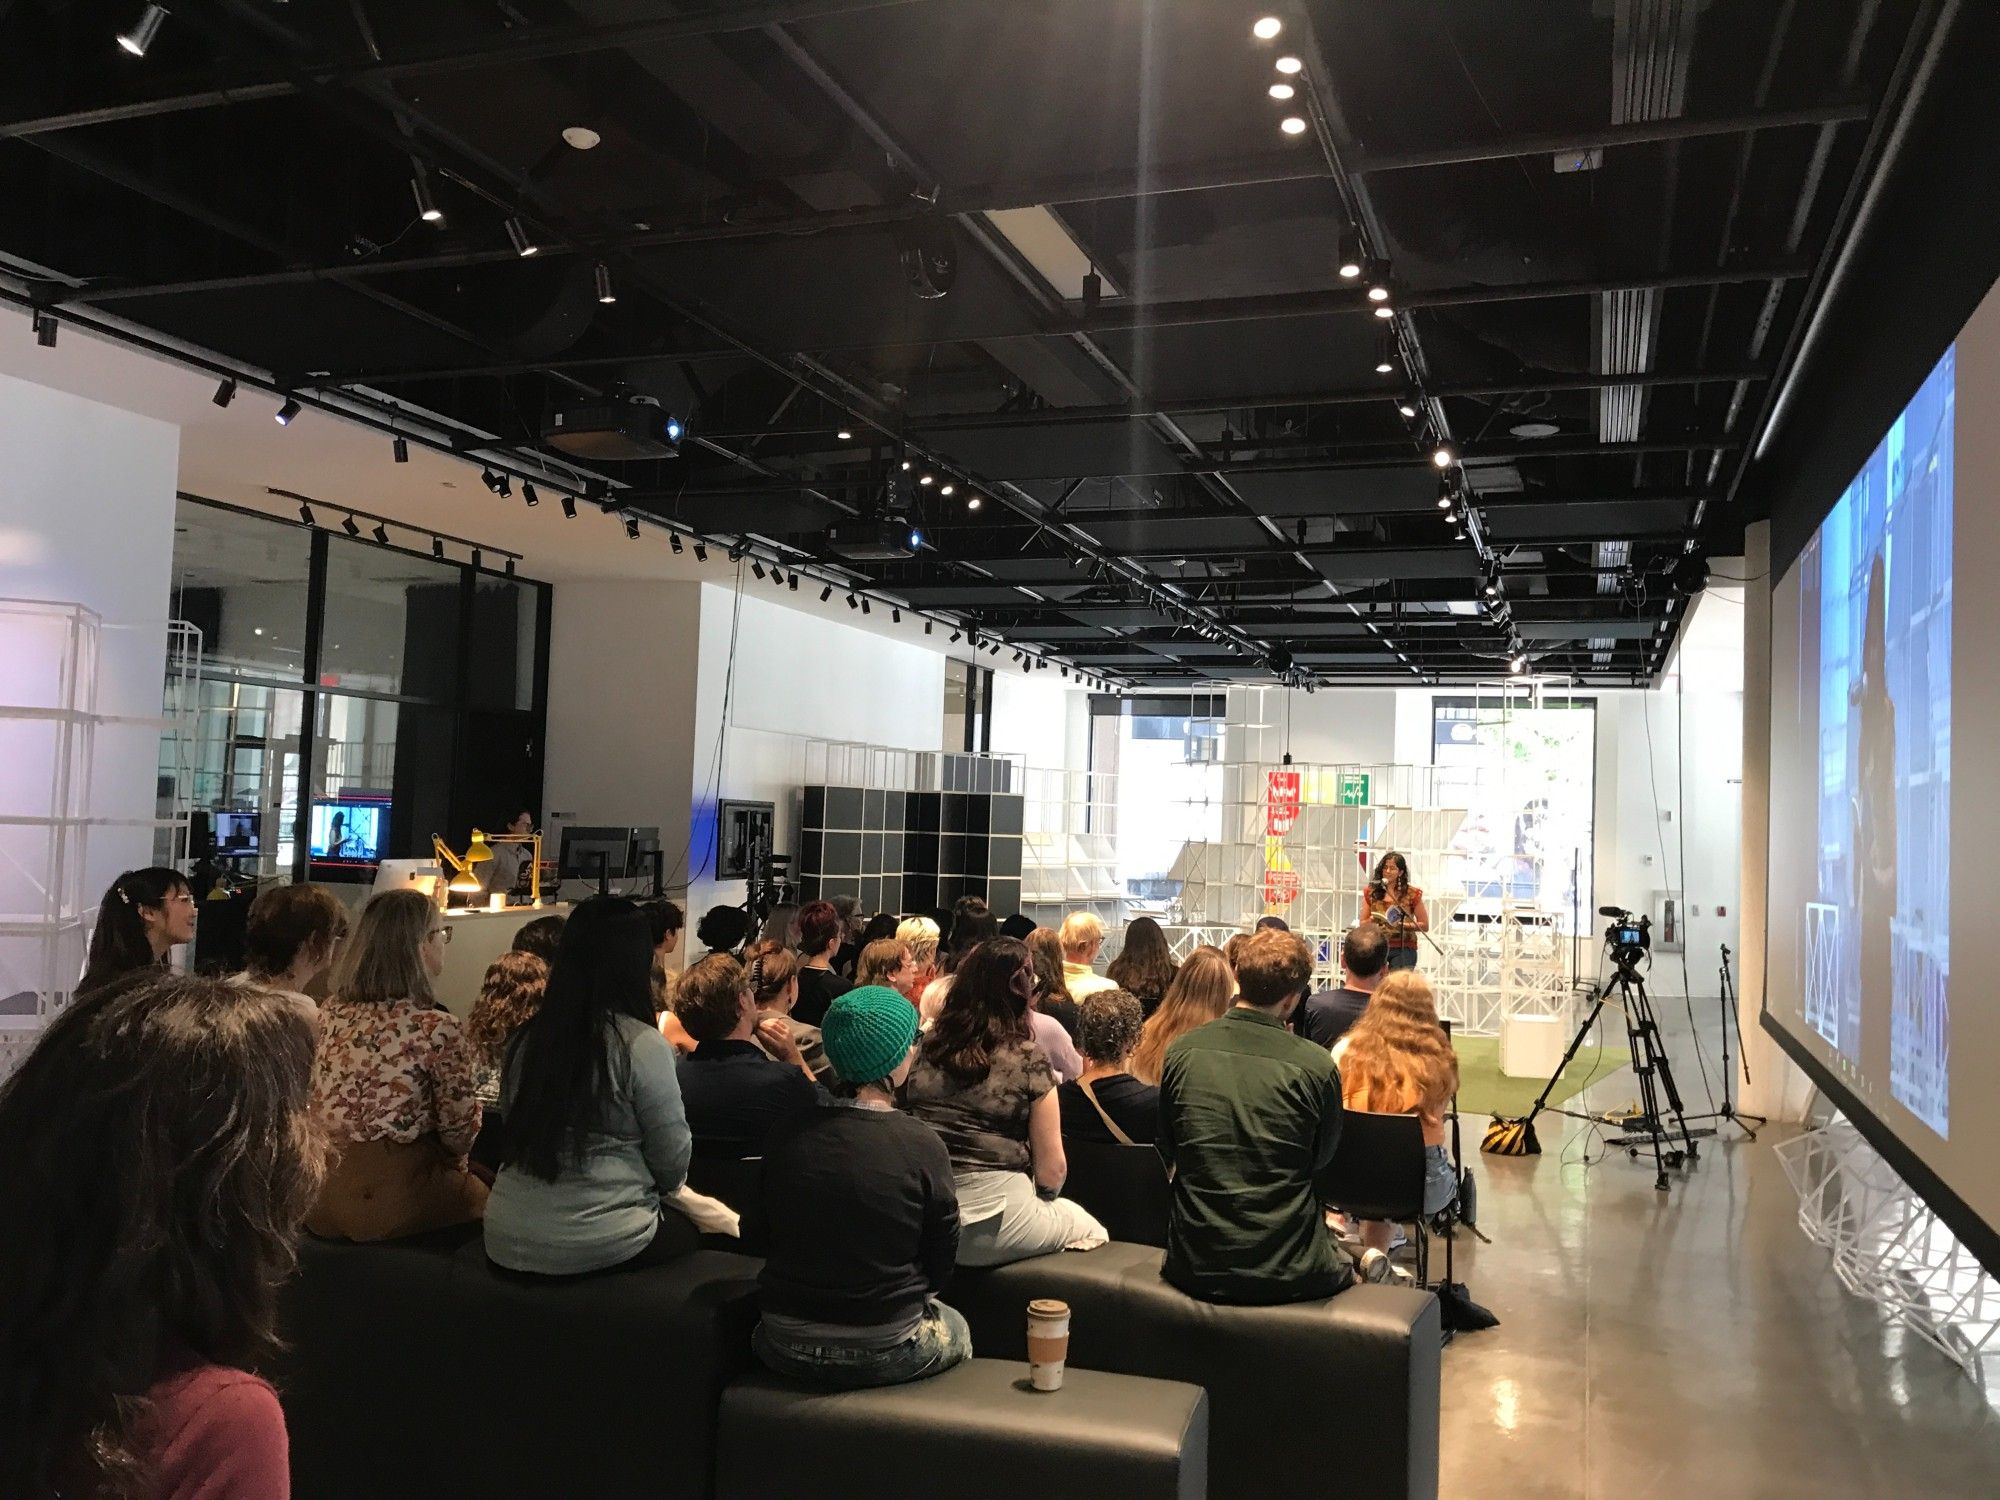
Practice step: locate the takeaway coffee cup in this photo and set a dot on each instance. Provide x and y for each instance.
(1048, 1342)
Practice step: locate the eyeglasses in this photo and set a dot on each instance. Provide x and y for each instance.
(443, 934)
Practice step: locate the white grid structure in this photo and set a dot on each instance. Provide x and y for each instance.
(1890, 1248)
(1069, 853)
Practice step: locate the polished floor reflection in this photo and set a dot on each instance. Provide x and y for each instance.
(1691, 1342)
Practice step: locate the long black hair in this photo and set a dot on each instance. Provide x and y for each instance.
(972, 923)
(1378, 887)
(559, 1064)
(982, 1013)
(157, 1152)
(118, 944)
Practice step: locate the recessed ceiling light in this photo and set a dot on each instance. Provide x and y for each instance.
(581, 136)
(1267, 28)
(1289, 65)
(1282, 91)
(1292, 125)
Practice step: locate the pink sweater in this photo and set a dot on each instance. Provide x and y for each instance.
(213, 1433)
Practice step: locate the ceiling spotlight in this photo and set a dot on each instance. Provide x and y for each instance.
(793, 582)
(399, 448)
(517, 236)
(381, 533)
(954, 639)
(757, 568)
(916, 539)
(45, 329)
(604, 292)
(1518, 665)
(1266, 28)
(674, 537)
(569, 507)
(1293, 125)
(852, 602)
(1289, 65)
(1282, 91)
(437, 547)
(1443, 457)
(926, 479)
(140, 37)
(1350, 249)
(420, 189)
(1492, 590)
(906, 466)
(1385, 353)
(826, 593)
(947, 489)
(477, 560)
(225, 392)
(582, 137)
(1407, 408)
(286, 412)
(1384, 310)
(510, 567)
(1458, 535)
(632, 527)
(864, 606)
(351, 526)
(929, 626)
(491, 480)
(528, 495)
(1444, 498)
(1378, 291)
(973, 502)
(845, 435)
(1451, 516)
(306, 514)
(895, 617)
(505, 488)
(700, 552)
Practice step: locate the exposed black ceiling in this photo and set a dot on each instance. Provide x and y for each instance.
(1199, 470)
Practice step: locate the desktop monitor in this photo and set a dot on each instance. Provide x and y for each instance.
(349, 832)
(236, 832)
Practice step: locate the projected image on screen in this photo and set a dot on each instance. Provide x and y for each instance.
(1875, 602)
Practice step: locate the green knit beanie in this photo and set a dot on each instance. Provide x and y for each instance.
(867, 1033)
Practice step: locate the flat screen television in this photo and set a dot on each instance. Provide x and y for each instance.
(236, 832)
(349, 831)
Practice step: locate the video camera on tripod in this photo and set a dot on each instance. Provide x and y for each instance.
(1628, 938)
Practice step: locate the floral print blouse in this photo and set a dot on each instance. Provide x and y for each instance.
(395, 1072)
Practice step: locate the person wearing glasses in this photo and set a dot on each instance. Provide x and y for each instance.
(143, 917)
(396, 1083)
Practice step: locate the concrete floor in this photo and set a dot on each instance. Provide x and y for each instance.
(1691, 1342)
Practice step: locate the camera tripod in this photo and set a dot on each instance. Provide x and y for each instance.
(1649, 1065)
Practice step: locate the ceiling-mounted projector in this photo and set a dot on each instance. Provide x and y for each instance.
(616, 428)
(875, 538)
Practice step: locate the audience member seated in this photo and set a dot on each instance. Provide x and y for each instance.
(972, 923)
(984, 1086)
(1270, 923)
(540, 937)
(1145, 966)
(886, 962)
(664, 921)
(820, 935)
(848, 910)
(1397, 1060)
(724, 929)
(1364, 958)
(156, 1156)
(878, 929)
(780, 925)
(290, 938)
(1249, 1119)
(1082, 938)
(143, 916)
(1202, 991)
(1105, 1102)
(920, 936)
(732, 1089)
(774, 984)
(858, 1219)
(1390, 901)
(1018, 926)
(397, 1083)
(597, 1140)
(1051, 1034)
(1232, 949)
(510, 993)
(1051, 990)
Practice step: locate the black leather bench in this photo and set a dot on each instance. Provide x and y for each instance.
(976, 1432)
(1304, 1399)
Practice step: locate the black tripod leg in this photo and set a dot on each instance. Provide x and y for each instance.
(1667, 1077)
(1575, 1044)
(1639, 1040)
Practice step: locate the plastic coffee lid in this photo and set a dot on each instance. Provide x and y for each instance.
(1048, 1307)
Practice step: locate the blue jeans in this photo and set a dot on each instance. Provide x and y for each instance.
(941, 1340)
(1402, 958)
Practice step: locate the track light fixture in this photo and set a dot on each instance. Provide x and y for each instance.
(1408, 409)
(700, 552)
(895, 616)
(517, 236)
(674, 539)
(225, 392)
(1266, 28)
(973, 502)
(1293, 125)
(285, 413)
(506, 489)
(793, 582)
(852, 602)
(845, 435)
(864, 606)
(929, 626)
(757, 568)
(1350, 255)
(632, 527)
(1378, 291)
(736, 553)
(135, 42)
(491, 480)
(1290, 66)
(45, 329)
(381, 534)
(947, 489)
(1384, 310)
(569, 507)
(826, 593)
(1281, 91)
(509, 570)
(437, 547)
(926, 479)
(351, 526)
(1385, 352)
(1518, 665)
(604, 291)
(420, 189)
(477, 560)
(1443, 457)
(306, 514)
(528, 496)
(399, 449)
(954, 639)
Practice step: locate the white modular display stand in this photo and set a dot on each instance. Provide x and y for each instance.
(1069, 856)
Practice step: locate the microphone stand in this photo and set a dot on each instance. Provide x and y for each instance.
(1731, 1020)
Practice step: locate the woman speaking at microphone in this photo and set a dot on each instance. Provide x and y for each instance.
(1390, 901)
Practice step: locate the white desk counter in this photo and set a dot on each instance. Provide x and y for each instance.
(477, 938)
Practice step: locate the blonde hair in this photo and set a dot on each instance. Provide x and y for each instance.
(384, 960)
(1201, 992)
(1080, 929)
(1398, 1060)
(921, 935)
(769, 967)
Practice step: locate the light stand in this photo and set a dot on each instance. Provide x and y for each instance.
(1732, 1020)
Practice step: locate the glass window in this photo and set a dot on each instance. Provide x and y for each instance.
(241, 581)
(384, 769)
(1159, 767)
(392, 622)
(506, 615)
(241, 778)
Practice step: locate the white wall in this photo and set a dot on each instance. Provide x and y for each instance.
(87, 517)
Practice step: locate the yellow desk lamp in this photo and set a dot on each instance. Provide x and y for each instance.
(466, 883)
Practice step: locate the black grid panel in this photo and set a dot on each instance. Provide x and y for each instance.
(912, 851)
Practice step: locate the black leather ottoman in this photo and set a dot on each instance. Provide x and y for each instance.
(1304, 1399)
(975, 1432)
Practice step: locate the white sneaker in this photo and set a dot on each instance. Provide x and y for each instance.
(1375, 1266)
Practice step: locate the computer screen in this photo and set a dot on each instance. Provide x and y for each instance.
(349, 832)
(236, 832)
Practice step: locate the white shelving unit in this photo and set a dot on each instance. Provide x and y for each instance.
(1069, 863)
